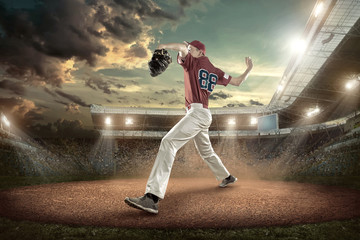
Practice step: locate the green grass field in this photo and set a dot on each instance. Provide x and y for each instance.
(10, 229)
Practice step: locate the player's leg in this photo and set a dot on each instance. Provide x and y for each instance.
(181, 133)
(195, 121)
(178, 136)
(203, 145)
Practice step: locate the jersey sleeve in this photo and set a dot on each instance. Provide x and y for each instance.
(224, 78)
(185, 62)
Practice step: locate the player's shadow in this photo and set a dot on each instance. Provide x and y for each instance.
(201, 190)
(135, 213)
(178, 199)
(208, 194)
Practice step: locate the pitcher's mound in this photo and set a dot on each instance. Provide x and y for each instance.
(189, 203)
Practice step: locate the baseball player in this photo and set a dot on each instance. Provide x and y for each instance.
(200, 79)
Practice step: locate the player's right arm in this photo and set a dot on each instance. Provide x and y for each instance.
(236, 81)
(182, 48)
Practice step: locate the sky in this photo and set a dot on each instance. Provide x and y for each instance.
(59, 56)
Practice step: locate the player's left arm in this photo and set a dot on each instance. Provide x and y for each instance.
(236, 81)
(182, 48)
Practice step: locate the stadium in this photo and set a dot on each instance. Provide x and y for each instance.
(297, 159)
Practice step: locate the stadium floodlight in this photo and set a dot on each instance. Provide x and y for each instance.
(253, 121)
(231, 121)
(313, 112)
(281, 85)
(280, 88)
(299, 45)
(318, 9)
(129, 121)
(108, 121)
(352, 84)
(349, 85)
(5, 120)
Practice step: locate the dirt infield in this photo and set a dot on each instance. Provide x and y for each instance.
(189, 203)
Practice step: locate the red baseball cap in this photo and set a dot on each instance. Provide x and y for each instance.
(199, 45)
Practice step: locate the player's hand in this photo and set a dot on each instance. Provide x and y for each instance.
(249, 63)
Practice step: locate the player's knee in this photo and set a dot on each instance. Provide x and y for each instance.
(205, 154)
(166, 141)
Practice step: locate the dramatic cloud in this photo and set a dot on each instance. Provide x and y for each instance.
(72, 108)
(62, 102)
(119, 82)
(48, 91)
(172, 91)
(137, 51)
(256, 103)
(88, 84)
(123, 98)
(37, 44)
(34, 115)
(235, 105)
(15, 87)
(119, 85)
(100, 84)
(175, 102)
(72, 98)
(185, 3)
(21, 111)
(219, 95)
(145, 9)
(42, 44)
(125, 29)
(133, 82)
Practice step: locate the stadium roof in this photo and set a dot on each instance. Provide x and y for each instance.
(318, 77)
(315, 78)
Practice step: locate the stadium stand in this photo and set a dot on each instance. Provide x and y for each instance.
(320, 152)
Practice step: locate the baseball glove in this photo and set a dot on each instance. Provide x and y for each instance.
(159, 62)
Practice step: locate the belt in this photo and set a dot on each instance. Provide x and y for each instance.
(195, 105)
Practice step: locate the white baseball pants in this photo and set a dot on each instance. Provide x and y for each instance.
(194, 125)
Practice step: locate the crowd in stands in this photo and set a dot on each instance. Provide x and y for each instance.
(44, 158)
(299, 153)
(8, 135)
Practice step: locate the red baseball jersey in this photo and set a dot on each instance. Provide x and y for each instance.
(200, 79)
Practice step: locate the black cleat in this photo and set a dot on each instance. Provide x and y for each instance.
(227, 181)
(144, 203)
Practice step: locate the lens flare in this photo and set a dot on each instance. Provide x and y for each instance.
(319, 9)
